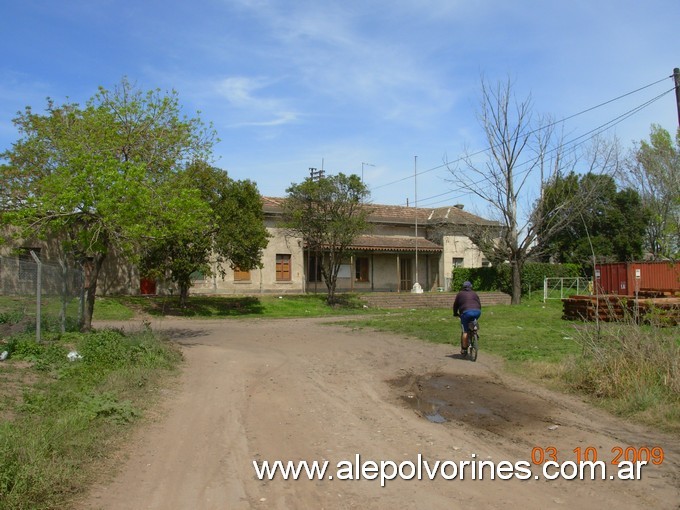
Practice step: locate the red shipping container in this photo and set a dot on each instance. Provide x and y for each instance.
(630, 278)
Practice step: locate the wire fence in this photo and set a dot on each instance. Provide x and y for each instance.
(38, 295)
(560, 288)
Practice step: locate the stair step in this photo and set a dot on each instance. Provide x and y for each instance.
(427, 300)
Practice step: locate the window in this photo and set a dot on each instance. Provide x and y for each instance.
(314, 270)
(282, 267)
(457, 262)
(197, 276)
(241, 276)
(361, 269)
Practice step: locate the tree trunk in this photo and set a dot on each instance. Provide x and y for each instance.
(331, 277)
(183, 294)
(331, 283)
(92, 268)
(516, 282)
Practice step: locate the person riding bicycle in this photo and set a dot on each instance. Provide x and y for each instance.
(468, 307)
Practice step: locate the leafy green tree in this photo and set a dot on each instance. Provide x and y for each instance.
(329, 213)
(236, 233)
(654, 171)
(102, 177)
(611, 223)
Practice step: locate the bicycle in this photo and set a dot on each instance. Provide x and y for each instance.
(473, 340)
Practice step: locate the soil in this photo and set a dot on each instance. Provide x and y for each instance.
(305, 389)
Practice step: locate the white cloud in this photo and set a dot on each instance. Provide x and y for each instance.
(238, 90)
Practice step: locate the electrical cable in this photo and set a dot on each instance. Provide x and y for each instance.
(612, 122)
(569, 146)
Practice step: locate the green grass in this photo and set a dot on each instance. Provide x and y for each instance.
(629, 369)
(215, 307)
(61, 419)
(51, 305)
(528, 332)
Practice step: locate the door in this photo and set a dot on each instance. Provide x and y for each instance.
(147, 287)
(405, 274)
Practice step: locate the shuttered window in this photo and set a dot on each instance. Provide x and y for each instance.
(282, 267)
(241, 276)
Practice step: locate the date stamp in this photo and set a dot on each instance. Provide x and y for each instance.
(653, 455)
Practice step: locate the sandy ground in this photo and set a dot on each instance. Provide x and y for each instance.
(266, 390)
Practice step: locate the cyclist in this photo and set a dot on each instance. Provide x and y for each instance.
(468, 307)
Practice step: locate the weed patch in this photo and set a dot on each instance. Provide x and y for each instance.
(72, 411)
(633, 370)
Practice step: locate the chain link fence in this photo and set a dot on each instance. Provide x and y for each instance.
(34, 294)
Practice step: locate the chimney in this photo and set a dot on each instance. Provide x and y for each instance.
(459, 206)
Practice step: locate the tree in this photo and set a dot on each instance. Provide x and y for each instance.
(236, 233)
(523, 154)
(611, 223)
(654, 171)
(328, 213)
(102, 177)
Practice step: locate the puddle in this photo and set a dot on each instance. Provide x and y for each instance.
(475, 401)
(435, 418)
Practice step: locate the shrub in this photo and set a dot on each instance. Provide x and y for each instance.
(498, 278)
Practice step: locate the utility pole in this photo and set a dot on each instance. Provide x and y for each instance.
(316, 174)
(676, 77)
(416, 286)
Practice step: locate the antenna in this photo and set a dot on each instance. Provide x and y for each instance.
(362, 169)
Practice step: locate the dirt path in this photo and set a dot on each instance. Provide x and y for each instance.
(296, 390)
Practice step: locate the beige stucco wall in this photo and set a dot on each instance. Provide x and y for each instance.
(261, 280)
(458, 246)
(434, 270)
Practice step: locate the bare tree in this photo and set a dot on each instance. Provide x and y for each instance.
(523, 155)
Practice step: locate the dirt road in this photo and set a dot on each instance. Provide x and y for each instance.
(267, 390)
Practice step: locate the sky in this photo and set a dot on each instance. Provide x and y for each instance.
(388, 90)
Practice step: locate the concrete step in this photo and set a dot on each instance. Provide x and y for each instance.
(407, 300)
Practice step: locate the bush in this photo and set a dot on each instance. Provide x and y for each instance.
(499, 278)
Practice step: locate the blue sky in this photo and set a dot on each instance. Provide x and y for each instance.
(290, 85)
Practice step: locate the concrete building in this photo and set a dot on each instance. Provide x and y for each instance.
(383, 260)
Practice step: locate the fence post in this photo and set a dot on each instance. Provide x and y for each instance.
(38, 293)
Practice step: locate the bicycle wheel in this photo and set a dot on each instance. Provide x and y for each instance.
(472, 349)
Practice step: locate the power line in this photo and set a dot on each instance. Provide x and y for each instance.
(571, 145)
(622, 117)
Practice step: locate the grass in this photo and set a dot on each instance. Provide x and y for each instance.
(60, 419)
(530, 332)
(629, 369)
(216, 307)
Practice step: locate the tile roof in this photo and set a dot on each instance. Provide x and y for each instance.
(394, 243)
(397, 214)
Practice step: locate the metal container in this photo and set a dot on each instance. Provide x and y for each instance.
(632, 278)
